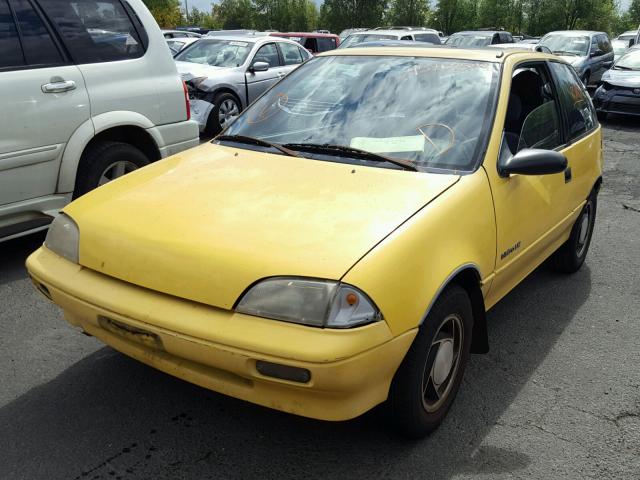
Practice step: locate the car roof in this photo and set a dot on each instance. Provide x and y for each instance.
(495, 55)
(302, 34)
(575, 32)
(249, 39)
(479, 32)
(392, 32)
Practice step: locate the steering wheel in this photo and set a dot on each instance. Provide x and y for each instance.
(429, 130)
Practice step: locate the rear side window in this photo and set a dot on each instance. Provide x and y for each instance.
(10, 50)
(291, 54)
(604, 44)
(581, 115)
(96, 31)
(326, 43)
(38, 46)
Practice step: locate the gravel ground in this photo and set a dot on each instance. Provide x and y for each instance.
(558, 396)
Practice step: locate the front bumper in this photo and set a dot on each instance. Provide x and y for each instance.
(620, 101)
(351, 370)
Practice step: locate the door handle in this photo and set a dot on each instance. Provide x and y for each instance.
(281, 74)
(567, 175)
(59, 86)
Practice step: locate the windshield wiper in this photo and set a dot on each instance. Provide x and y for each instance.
(621, 67)
(256, 141)
(343, 150)
(564, 52)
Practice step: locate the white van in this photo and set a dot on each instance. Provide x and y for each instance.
(88, 92)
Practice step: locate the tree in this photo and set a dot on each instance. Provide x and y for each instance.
(166, 12)
(634, 13)
(454, 15)
(336, 15)
(234, 14)
(408, 12)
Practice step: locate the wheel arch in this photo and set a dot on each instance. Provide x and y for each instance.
(127, 127)
(468, 277)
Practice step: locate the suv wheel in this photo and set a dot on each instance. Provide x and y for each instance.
(428, 379)
(106, 161)
(226, 109)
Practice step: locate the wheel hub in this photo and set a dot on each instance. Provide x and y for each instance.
(443, 362)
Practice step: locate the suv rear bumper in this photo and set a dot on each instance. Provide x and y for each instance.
(177, 137)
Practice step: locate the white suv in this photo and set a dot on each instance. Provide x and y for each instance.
(88, 92)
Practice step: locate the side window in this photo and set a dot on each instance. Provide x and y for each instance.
(311, 44)
(428, 37)
(533, 118)
(268, 53)
(96, 30)
(325, 44)
(594, 45)
(39, 48)
(575, 101)
(604, 44)
(507, 38)
(406, 37)
(291, 54)
(10, 50)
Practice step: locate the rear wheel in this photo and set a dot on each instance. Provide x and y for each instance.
(106, 161)
(428, 379)
(571, 255)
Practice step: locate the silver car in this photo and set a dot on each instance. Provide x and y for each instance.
(590, 53)
(224, 74)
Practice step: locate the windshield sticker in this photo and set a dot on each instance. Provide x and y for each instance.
(411, 143)
(238, 44)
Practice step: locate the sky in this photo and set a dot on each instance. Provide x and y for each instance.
(206, 4)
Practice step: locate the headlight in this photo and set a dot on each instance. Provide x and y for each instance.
(63, 237)
(321, 303)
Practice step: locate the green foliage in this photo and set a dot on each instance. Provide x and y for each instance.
(407, 12)
(533, 17)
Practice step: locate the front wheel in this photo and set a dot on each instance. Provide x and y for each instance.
(428, 379)
(571, 255)
(226, 109)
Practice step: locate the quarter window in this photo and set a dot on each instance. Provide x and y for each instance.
(581, 115)
(10, 50)
(291, 54)
(39, 48)
(96, 31)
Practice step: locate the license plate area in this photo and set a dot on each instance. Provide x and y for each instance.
(129, 332)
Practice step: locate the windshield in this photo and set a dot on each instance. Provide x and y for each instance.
(356, 38)
(432, 112)
(217, 53)
(629, 61)
(567, 44)
(469, 40)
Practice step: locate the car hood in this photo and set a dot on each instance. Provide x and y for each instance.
(207, 223)
(573, 60)
(188, 70)
(622, 78)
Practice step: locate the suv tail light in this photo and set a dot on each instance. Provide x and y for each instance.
(186, 100)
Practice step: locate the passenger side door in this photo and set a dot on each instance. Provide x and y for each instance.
(258, 82)
(531, 210)
(596, 61)
(44, 101)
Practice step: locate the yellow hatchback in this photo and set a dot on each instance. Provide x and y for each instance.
(338, 245)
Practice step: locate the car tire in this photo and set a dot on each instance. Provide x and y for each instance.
(571, 255)
(441, 348)
(224, 105)
(106, 161)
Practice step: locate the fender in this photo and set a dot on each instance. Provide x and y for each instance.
(87, 131)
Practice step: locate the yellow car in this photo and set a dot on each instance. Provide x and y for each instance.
(338, 245)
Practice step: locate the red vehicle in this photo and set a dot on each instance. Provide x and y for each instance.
(312, 41)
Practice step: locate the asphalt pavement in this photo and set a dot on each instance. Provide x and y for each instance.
(558, 396)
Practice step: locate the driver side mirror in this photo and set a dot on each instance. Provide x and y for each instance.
(533, 161)
(259, 67)
(597, 53)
